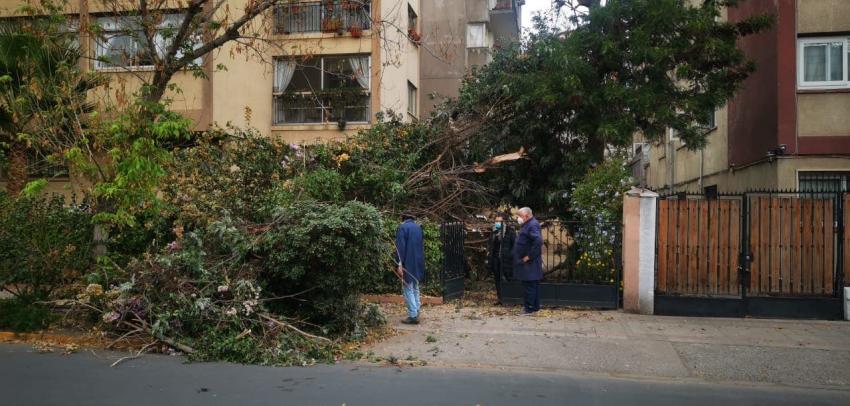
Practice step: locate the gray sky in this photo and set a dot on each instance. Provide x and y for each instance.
(531, 7)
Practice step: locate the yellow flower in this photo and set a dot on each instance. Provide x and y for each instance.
(94, 289)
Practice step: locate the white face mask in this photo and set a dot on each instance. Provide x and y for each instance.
(519, 220)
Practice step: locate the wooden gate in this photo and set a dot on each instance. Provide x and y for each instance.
(761, 254)
(698, 247)
(792, 246)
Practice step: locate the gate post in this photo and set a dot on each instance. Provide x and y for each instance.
(639, 226)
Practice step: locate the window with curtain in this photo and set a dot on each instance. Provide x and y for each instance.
(822, 62)
(323, 89)
(121, 42)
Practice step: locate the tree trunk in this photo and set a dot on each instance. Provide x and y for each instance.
(154, 92)
(17, 174)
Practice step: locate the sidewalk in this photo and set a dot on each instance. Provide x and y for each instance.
(796, 353)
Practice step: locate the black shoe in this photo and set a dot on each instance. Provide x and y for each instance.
(411, 320)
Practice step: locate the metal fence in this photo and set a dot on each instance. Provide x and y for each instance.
(579, 252)
(452, 236)
(322, 16)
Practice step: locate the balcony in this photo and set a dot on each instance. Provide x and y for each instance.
(505, 19)
(338, 16)
(505, 5)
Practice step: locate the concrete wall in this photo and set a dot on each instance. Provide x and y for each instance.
(819, 16)
(824, 114)
(448, 59)
(444, 35)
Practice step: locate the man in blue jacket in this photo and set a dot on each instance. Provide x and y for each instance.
(410, 246)
(528, 260)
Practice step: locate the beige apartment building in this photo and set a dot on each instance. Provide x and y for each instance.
(301, 55)
(458, 35)
(788, 128)
(367, 49)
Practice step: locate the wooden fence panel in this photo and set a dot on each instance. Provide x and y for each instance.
(796, 246)
(723, 245)
(785, 242)
(817, 259)
(714, 271)
(846, 239)
(755, 243)
(793, 243)
(774, 265)
(671, 244)
(702, 248)
(732, 253)
(828, 246)
(662, 248)
(682, 248)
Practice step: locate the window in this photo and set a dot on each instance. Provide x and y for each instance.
(121, 42)
(812, 181)
(412, 99)
(822, 63)
(321, 90)
(412, 19)
(710, 121)
(476, 35)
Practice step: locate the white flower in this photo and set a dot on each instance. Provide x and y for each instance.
(231, 311)
(223, 288)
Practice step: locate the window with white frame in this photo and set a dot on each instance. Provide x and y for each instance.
(476, 35)
(822, 62)
(121, 42)
(710, 120)
(322, 89)
(412, 99)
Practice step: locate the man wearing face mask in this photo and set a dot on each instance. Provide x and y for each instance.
(500, 255)
(528, 261)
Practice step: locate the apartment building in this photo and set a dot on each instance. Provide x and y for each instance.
(788, 128)
(312, 51)
(458, 35)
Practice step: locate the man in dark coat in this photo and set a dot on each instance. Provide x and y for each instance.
(528, 259)
(500, 253)
(410, 246)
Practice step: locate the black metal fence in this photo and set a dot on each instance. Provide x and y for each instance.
(579, 252)
(327, 16)
(452, 236)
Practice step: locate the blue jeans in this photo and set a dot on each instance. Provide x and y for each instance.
(411, 297)
(531, 302)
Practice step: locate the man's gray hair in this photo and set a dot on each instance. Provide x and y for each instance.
(526, 211)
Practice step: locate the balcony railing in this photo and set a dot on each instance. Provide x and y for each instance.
(504, 5)
(308, 108)
(322, 16)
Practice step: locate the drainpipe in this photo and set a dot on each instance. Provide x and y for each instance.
(701, 168)
(671, 161)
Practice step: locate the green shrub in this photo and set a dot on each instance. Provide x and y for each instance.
(21, 314)
(332, 252)
(46, 245)
(597, 204)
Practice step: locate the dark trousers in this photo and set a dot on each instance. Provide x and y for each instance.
(531, 302)
(496, 270)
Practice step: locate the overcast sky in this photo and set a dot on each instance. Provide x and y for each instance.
(531, 7)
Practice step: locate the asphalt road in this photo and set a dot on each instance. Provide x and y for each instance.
(85, 378)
